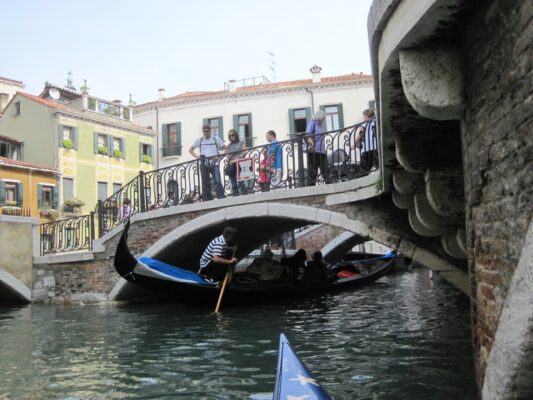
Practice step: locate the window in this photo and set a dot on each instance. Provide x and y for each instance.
(5, 149)
(243, 124)
(10, 194)
(102, 191)
(334, 117)
(145, 153)
(68, 188)
(171, 140)
(118, 147)
(103, 144)
(17, 108)
(46, 196)
(116, 187)
(372, 104)
(68, 137)
(217, 126)
(298, 120)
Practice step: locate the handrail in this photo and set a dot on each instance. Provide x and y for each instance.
(285, 164)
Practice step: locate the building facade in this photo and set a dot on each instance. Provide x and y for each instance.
(91, 142)
(285, 107)
(8, 88)
(26, 189)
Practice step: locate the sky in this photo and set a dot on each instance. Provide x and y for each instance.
(136, 47)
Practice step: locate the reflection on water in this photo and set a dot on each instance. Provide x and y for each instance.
(406, 337)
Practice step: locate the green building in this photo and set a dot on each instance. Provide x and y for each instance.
(92, 142)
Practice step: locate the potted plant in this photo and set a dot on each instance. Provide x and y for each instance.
(49, 213)
(11, 203)
(147, 159)
(73, 205)
(67, 144)
(102, 150)
(117, 153)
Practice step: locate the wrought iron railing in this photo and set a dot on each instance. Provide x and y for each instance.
(279, 165)
(68, 234)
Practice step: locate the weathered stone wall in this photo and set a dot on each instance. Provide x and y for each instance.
(317, 238)
(16, 244)
(498, 154)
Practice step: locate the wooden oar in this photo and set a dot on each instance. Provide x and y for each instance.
(226, 280)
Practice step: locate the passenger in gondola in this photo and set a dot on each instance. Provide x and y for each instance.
(215, 261)
(316, 271)
(296, 266)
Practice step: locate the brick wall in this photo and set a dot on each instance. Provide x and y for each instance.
(497, 154)
(317, 238)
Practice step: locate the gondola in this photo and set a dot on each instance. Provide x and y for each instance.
(187, 286)
(293, 379)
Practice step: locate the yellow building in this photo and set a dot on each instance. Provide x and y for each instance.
(26, 189)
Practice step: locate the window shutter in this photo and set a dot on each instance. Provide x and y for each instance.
(236, 124)
(123, 147)
(205, 121)
(20, 193)
(59, 135)
(164, 137)
(55, 198)
(250, 130)
(75, 138)
(110, 146)
(140, 152)
(2, 193)
(95, 142)
(39, 195)
(308, 115)
(151, 152)
(323, 108)
(178, 136)
(221, 128)
(341, 116)
(292, 125)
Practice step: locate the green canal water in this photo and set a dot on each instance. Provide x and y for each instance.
(405, 337)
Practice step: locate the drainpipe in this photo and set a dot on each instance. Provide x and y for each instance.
(157, 150)
(312, 100)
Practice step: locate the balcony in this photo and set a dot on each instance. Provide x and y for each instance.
(113, 109)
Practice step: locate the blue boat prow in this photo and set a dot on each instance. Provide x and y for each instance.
(293, 379)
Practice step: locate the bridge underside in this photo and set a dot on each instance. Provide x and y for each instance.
(12, 290)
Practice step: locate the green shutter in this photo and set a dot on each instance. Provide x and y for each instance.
(55, 198)
(95, 142)
(123, 147)
(250, 130)
(2, 193)
(323, 108)
(140, 152)
(75, 138)
(164, 137)
(151, 152)
(341, 116)
(308, 115)
(292, 124)
(205, 121)
(236, 124)
(20, 192)
(59, 135)
(39, 195)
(221, 128)
(178, 141)
(110, 150)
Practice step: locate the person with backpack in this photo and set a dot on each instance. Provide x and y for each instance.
(209, 147)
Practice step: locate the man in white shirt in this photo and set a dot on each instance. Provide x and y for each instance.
(209, 147)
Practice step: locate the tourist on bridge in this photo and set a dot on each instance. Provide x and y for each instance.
(233, 149)
(275, 154)
(125, 211)
(316, 148)
(215, 261)
(366, 140)
(209, 147)
(264, 171)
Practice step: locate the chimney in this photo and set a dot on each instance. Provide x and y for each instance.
(232, 86)
(315, 72)
(161, 95)
(117, 102)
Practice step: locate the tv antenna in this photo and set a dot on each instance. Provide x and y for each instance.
(272, 65)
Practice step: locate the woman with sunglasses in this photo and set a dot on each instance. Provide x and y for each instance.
(234, 149)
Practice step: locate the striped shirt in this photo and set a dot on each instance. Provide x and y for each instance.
(369, 138)
(217, 247)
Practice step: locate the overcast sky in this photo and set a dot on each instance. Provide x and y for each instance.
(136, 47)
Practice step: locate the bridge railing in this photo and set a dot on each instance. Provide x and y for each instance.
(68, 234)
(280, 165)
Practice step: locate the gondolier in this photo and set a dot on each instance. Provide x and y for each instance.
(213, 263)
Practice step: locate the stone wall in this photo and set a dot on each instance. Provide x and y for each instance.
(497, 153)
(16, 244)
(317, 238)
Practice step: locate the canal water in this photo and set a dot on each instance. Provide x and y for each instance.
(405, 337)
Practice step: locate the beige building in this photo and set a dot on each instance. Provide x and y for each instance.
(8, 88)
(254, 108)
